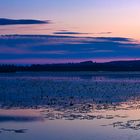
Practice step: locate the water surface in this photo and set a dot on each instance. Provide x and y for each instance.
(70, 105)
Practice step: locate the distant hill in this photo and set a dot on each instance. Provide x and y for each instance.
(82, 66)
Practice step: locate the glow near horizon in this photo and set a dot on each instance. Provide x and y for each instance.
(120, 17)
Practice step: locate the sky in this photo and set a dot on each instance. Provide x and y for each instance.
(52, 31)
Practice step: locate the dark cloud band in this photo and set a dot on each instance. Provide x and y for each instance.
(33, 48)
(5, 21)
(68, 33)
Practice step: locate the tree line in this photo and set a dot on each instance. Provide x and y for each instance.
(83, 66)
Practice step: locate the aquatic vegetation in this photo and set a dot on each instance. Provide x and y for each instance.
(33, 91)
(130, 124)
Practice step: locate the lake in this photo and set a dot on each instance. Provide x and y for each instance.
(70, 106)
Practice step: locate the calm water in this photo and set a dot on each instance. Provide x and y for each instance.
(70, 106)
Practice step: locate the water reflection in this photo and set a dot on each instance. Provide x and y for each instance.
(13, 130)
(19, 118)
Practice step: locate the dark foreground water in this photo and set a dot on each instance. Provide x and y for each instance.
(70, 106)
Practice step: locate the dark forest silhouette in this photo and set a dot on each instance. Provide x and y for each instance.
(83, 66)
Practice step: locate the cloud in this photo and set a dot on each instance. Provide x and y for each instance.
(65, 32)
(50, 48)
(114, 39)
(5, 21)
(105, 33)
